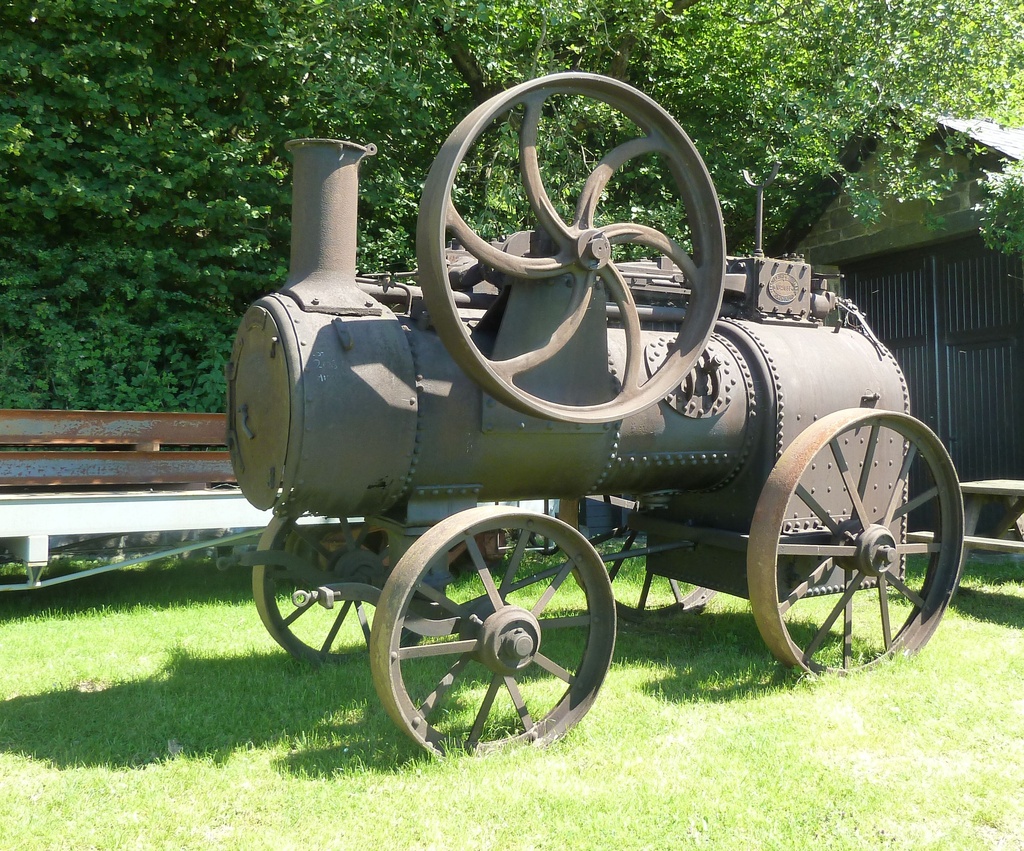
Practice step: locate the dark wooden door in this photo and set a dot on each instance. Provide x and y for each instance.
(953, 315)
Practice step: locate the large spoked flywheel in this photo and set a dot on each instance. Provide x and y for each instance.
(581, 267)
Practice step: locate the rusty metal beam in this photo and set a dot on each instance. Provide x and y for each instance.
(110, 428)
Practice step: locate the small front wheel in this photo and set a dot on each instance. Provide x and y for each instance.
(513, 648)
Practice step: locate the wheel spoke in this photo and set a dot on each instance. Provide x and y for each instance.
(788, 548)
(565, 622)
(851, 487)
(869, 460)
(364, 621)
(919, 500)
(539, 576)
(815, 506)
(437, 648)
(513, 563)
(439, 597)
(485, 709)
(899, 484)
(621, 556)
(550, 591)
(676, 593)
(883, 605)
(445, 683)
(298, 612)
(906, 591)
(851, 588)
(332, 633)
(847, 634)
(484, 572)
(554, 668)
(798, 593)
(641, 604)
(519, 703)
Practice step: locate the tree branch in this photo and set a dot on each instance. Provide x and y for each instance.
(465, 63)
(624, 51)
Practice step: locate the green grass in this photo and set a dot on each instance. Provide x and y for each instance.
(149, 709)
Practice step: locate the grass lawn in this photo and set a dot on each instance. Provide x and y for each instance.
(148, 708)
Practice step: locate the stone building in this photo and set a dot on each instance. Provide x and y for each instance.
(951, 309)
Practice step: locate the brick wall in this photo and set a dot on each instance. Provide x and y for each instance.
(838, 237)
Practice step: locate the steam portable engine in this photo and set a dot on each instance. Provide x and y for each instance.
(755, 430)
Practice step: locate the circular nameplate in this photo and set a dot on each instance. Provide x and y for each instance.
(782, 288)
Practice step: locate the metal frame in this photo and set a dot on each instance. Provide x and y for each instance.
(29, 521)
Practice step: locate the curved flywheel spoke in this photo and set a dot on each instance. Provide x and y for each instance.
(579, 301)
(522, 267)
(529, 169)
(598, 179)
(630, 233)
(623, 297)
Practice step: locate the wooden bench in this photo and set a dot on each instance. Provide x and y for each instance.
(69, 473)
(1006, 533)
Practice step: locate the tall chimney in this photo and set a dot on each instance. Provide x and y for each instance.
(325, 196)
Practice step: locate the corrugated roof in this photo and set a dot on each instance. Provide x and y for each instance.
(1009, 141)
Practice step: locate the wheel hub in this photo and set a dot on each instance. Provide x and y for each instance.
(509, 639)
(876, 551)
(594, 249)
(359, 565)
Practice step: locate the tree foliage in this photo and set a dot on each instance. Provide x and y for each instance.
(144, 192)
(1003, 212)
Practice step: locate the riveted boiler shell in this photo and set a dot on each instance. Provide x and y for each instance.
(322, 412)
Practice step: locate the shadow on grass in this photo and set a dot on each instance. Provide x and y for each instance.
(976, 597)
(717, 656)
(163, 584)
(328, 720)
